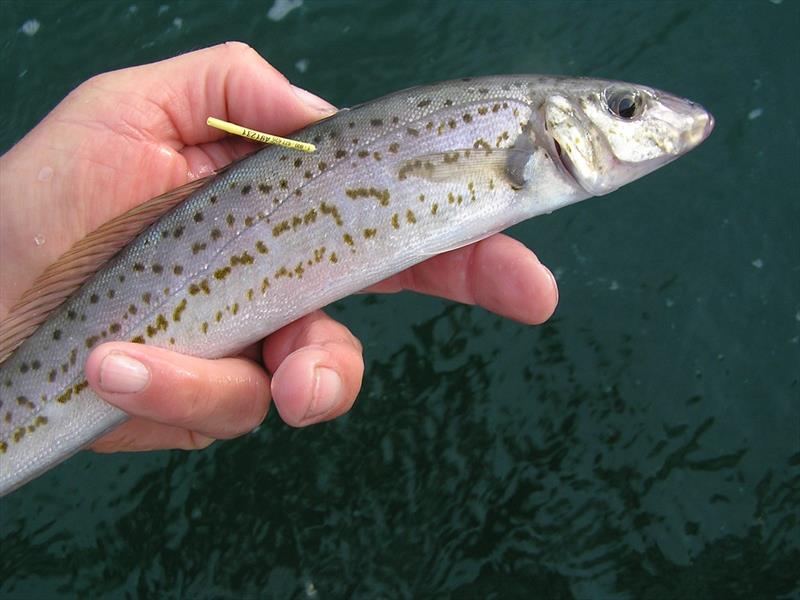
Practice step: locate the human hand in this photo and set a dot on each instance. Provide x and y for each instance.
(124, 137)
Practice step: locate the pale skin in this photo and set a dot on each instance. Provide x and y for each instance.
(124, 137)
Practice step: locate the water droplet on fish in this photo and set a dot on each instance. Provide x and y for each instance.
(39, 240)
(45, 173)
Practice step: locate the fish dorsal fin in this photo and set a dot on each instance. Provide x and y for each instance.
(82, 261)
(508, 163)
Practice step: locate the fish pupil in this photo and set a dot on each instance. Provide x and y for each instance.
(626, 108)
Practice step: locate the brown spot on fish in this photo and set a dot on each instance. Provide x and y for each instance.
(264, 188)
(467, 118)
(212, 200)
(421, 198)
(382, 196)
(261, 247)
(242, 259)
(248, 221)
(370, 233)
(280, 228)
(451, 123)
(51, 376)
(94, 298)
(363, 153)
(230, 220)
(410, 216)
(322, 165)
(198, 247)
(92, 340)
(448, 102)
(340, 154)
(250, 294)
(198, 216)
(299, 270)
(114, 327)
(157, 269)
(308, 174)
(57, 334)
(71, 315)
(222, 273)
(330, 209)
(376, 122)
(177, 269)
(146, 297)
(264, 284)
(204, 327)
(132, 309)
(396, 221)
(423, 103)
(434, 209)
(394, 147)
(137, 340)
(178, 232)
(376, 155)
(176, 314)
(348, 239)
(333, 258)
(482, 110)
(412, 132)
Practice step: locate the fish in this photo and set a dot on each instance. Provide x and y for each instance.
(220, 264)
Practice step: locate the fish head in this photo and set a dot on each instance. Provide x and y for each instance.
(609, 133)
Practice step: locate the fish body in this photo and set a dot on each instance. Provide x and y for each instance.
(281, 233)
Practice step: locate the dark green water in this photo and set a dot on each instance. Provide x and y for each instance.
(645, 443)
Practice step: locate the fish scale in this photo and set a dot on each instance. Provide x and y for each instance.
(280, 234)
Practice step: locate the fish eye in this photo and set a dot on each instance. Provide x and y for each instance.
(624, 103)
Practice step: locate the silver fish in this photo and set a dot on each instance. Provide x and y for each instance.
(280, 233)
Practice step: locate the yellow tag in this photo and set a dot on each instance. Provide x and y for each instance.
(264, 138)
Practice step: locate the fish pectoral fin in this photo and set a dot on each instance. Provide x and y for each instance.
(80, 262)
(508, 163)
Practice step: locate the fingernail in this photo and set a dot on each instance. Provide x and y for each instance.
(312, 101)
(326, 394)
(552, 281)
(121, 374)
